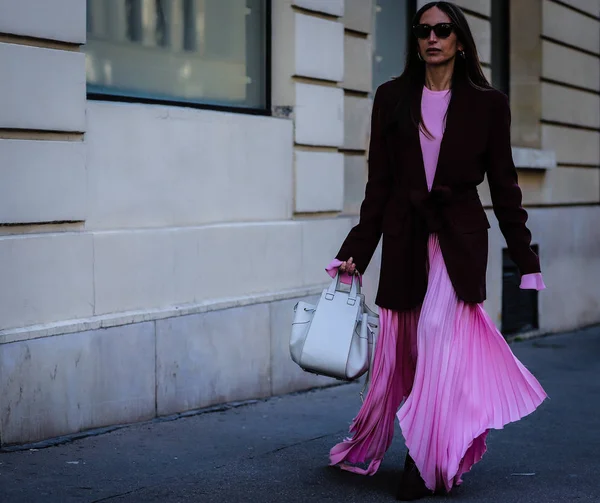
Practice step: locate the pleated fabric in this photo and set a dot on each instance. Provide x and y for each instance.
(392, 377)
(457, 377)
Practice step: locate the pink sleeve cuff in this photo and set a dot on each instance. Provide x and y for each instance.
(344, 278)
(532, 281)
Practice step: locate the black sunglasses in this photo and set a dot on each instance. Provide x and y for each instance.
(441, 30)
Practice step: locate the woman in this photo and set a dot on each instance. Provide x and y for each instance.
(435, 132)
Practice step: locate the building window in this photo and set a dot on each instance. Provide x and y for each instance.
(500, 45)
(392, 29)
(519, 307)
(210, 52)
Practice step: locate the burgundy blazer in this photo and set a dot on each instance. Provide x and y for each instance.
(398, 205)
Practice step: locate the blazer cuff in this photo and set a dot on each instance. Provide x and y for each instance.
(533, 281)
(345, 277)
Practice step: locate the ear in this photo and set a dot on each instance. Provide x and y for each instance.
(460, 47)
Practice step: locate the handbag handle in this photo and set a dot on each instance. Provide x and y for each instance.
(334, 287)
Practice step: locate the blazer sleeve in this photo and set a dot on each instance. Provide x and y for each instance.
(361, 242)
(505, 191)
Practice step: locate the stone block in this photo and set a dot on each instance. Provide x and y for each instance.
(488, 73)
(283, 57)
(358, 15)
(266, 249)
(67, 384)
(319, 181)
(566, 25)
(371, 278)
(134, 270)
(159, 166)
(319, 115)
(62, 20)
(496, 243)
(46, 89)
(357, 122)
(570, 66)
(215, 357)
(526, 72)
(570, 106)
(358, 70)
(590, 6)
(572, 146)
(332, 7)
(567, 185)
(355, 180)
(484, 193)
(533, 158)
(570, 264)
(481, 6)
(482, 33)
(319, 48)
(42, 181)
(286, 376)
(153, 269)
(45, 278)
(321, 240)
(562, 185)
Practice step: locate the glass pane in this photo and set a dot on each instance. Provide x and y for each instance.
(391, 39)
(500, 45)
(204, 51)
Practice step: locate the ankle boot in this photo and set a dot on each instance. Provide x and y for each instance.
(412, 486)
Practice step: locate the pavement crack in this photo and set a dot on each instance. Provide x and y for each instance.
(273, 451)
(279, 449)
(108, 498)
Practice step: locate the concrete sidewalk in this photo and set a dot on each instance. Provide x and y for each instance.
(276, 450)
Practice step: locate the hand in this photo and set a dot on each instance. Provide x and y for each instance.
(349, 267)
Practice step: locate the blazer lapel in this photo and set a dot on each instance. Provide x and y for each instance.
(403, 143)
(419, 175)
(456, 125)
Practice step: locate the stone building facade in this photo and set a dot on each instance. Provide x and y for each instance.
(152, 250)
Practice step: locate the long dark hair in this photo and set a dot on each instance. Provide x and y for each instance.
(467, 69)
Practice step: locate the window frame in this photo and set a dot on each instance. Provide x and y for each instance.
(266, 110)
(500, 27)
(411, 10)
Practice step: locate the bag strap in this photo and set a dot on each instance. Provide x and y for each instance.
(370, 316)
(354, 289)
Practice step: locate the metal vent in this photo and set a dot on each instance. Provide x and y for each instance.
(519, 307)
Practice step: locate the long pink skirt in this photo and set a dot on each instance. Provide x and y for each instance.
(457, 377)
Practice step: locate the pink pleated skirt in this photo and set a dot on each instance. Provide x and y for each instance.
(448, 376)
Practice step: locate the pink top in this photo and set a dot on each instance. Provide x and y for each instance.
(434, 105)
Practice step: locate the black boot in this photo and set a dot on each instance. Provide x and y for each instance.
(412, 486)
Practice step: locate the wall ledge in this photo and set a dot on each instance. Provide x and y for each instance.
(11, 335)
(533, 158)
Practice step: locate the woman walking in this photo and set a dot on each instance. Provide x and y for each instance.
(435, 132)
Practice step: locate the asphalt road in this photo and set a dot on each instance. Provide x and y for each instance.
(276, 450)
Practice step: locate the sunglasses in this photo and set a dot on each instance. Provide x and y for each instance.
(441, 30)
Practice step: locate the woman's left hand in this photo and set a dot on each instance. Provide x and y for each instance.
(348, 267)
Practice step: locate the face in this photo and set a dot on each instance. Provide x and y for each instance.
(436, 50)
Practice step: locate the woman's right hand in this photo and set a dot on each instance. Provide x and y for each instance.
(349, 267)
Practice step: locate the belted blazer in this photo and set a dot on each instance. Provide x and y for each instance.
(399, 206)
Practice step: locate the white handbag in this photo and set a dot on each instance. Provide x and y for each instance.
(337, 337)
